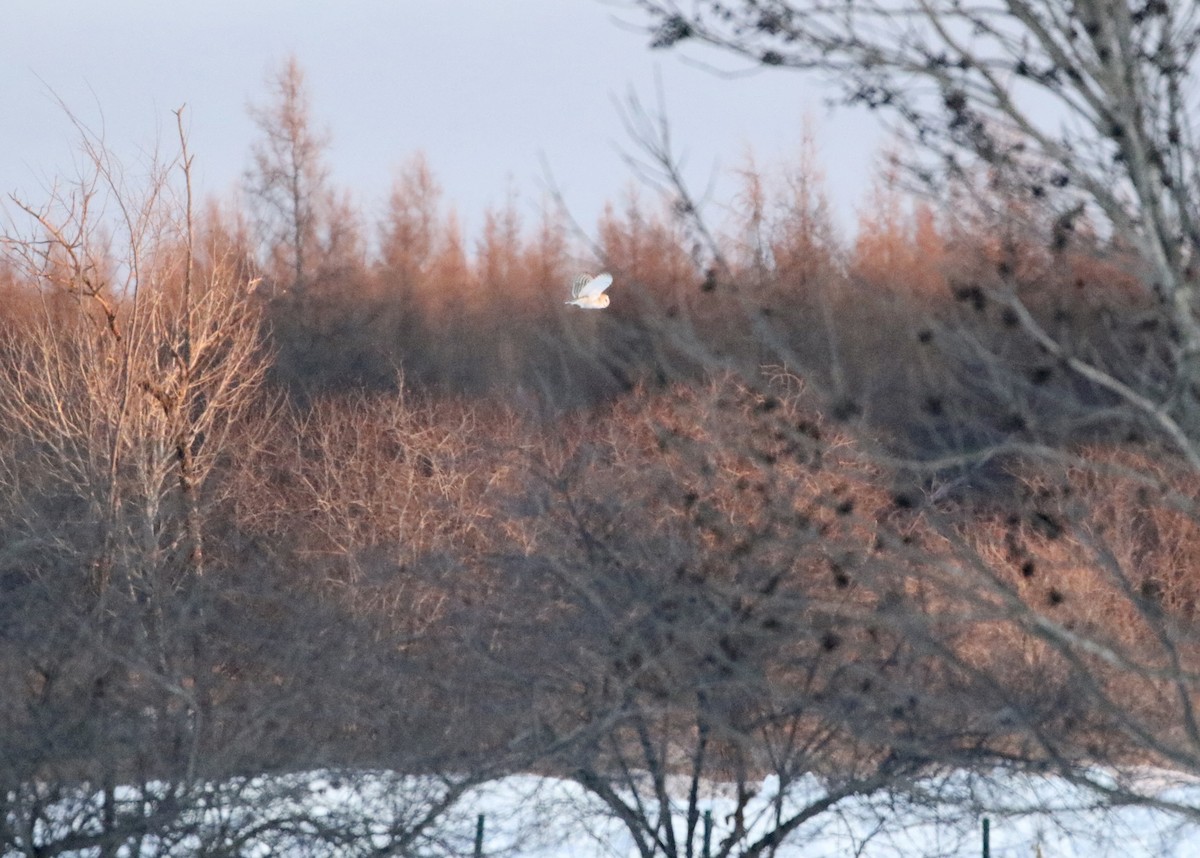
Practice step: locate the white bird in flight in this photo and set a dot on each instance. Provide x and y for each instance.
(588, 291)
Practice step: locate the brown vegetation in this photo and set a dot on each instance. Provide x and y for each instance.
(792, 506)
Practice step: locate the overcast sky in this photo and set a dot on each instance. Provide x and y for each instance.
(487, 89)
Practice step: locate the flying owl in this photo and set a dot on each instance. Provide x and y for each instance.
(588, 292)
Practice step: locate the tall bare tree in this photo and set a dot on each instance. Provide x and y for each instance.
(121, 394)
(289, 179)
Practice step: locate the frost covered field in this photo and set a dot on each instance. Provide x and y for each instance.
(370, 813)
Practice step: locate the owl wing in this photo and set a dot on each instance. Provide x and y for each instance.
(578, 284)
(595, 286)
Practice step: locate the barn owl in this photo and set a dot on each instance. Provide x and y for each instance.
(588, 292)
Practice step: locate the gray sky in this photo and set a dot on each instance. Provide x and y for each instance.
(485, 88)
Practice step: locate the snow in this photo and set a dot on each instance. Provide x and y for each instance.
(1024, 813)
(346, 813)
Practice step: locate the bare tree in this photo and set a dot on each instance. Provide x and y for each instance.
(289, 179)
(1073, 104)
(676, 625)
(1046, 118)
(201, 586)
(122, 392)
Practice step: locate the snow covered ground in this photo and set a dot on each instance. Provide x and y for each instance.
(1024, 814)
(350, 813)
